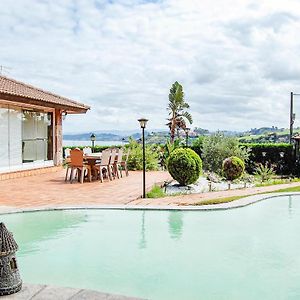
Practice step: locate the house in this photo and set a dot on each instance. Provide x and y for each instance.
(31, 127)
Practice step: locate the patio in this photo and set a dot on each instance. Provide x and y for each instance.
(51, 190)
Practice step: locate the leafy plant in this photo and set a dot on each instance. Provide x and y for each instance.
(185, 165)
(135, 159)
(233, 168)
(217, 147)
(178, 115)
(264, 172)
(167, 150)
(197, 145)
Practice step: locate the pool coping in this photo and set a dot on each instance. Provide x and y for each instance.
(43, 291)
(222, 206)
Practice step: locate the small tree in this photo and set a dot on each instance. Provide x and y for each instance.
(178, 115)
(217, 147)
(135, 159)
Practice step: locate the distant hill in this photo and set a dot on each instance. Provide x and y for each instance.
(101, 136)
(86, 137)
(254, 135)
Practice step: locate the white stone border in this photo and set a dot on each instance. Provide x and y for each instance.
(222, 206)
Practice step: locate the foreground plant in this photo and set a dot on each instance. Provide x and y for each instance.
(264, 172)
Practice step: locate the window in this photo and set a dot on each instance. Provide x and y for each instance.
(26, 138)
(13, 264)
(36, 136)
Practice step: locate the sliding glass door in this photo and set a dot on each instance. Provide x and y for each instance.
(36, 136)
(26, 138)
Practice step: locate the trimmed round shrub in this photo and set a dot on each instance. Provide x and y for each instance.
(233, 167)
(184, 165)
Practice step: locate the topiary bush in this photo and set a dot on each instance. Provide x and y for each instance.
(233, 168)
(184, 165)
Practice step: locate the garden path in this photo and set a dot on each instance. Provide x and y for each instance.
(195, 198)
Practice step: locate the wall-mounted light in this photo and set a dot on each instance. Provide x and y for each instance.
(64, 115)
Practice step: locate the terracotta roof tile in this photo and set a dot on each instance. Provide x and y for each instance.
(13, 87)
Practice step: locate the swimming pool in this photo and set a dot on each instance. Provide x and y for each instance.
(245, 253)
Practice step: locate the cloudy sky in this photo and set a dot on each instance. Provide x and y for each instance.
(237, 60)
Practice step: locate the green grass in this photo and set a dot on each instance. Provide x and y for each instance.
(156, 192)
(233, 198)
(291, 189)
(277, 181)
(219, 200)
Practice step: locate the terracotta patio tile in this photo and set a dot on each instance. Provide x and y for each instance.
(51, 189)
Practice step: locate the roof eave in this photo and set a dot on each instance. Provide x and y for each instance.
(68, 108)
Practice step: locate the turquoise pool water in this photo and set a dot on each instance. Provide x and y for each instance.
(246, 253)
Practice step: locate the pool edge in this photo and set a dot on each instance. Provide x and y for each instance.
(222, 206)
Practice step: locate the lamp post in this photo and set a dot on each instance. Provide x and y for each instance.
(187, 130)
(143, 123)
(292, 115)
(93, 139)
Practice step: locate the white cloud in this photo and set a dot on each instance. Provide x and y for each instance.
(237, 60)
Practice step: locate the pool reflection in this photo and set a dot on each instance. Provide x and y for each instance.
(175, 221)
(143, 243)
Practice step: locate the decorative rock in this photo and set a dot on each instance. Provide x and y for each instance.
(10, 281)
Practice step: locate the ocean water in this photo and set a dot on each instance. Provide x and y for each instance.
(70, 143)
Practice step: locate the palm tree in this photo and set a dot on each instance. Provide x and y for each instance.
(177, 110)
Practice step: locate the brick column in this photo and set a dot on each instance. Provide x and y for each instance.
(58, 154)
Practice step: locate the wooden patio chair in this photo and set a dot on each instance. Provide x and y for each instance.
(104, 165)
(67, 152)
(87, 150)
(117, 164)
(124, 162)
(114, 157)
(78, 165)
(67, 161)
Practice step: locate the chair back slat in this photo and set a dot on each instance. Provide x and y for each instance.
(127, 155)
(105, 157)
(76, 158)
(87, 150)
(67, 152)
(113, 156)
(120, 156)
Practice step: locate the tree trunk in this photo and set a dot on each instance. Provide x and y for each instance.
(172, 130)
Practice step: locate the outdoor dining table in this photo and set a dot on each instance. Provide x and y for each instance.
(92, 159)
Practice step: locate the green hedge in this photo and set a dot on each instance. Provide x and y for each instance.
(283, 165)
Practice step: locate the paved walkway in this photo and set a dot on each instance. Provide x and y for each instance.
(46, 292)
(51, 190)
